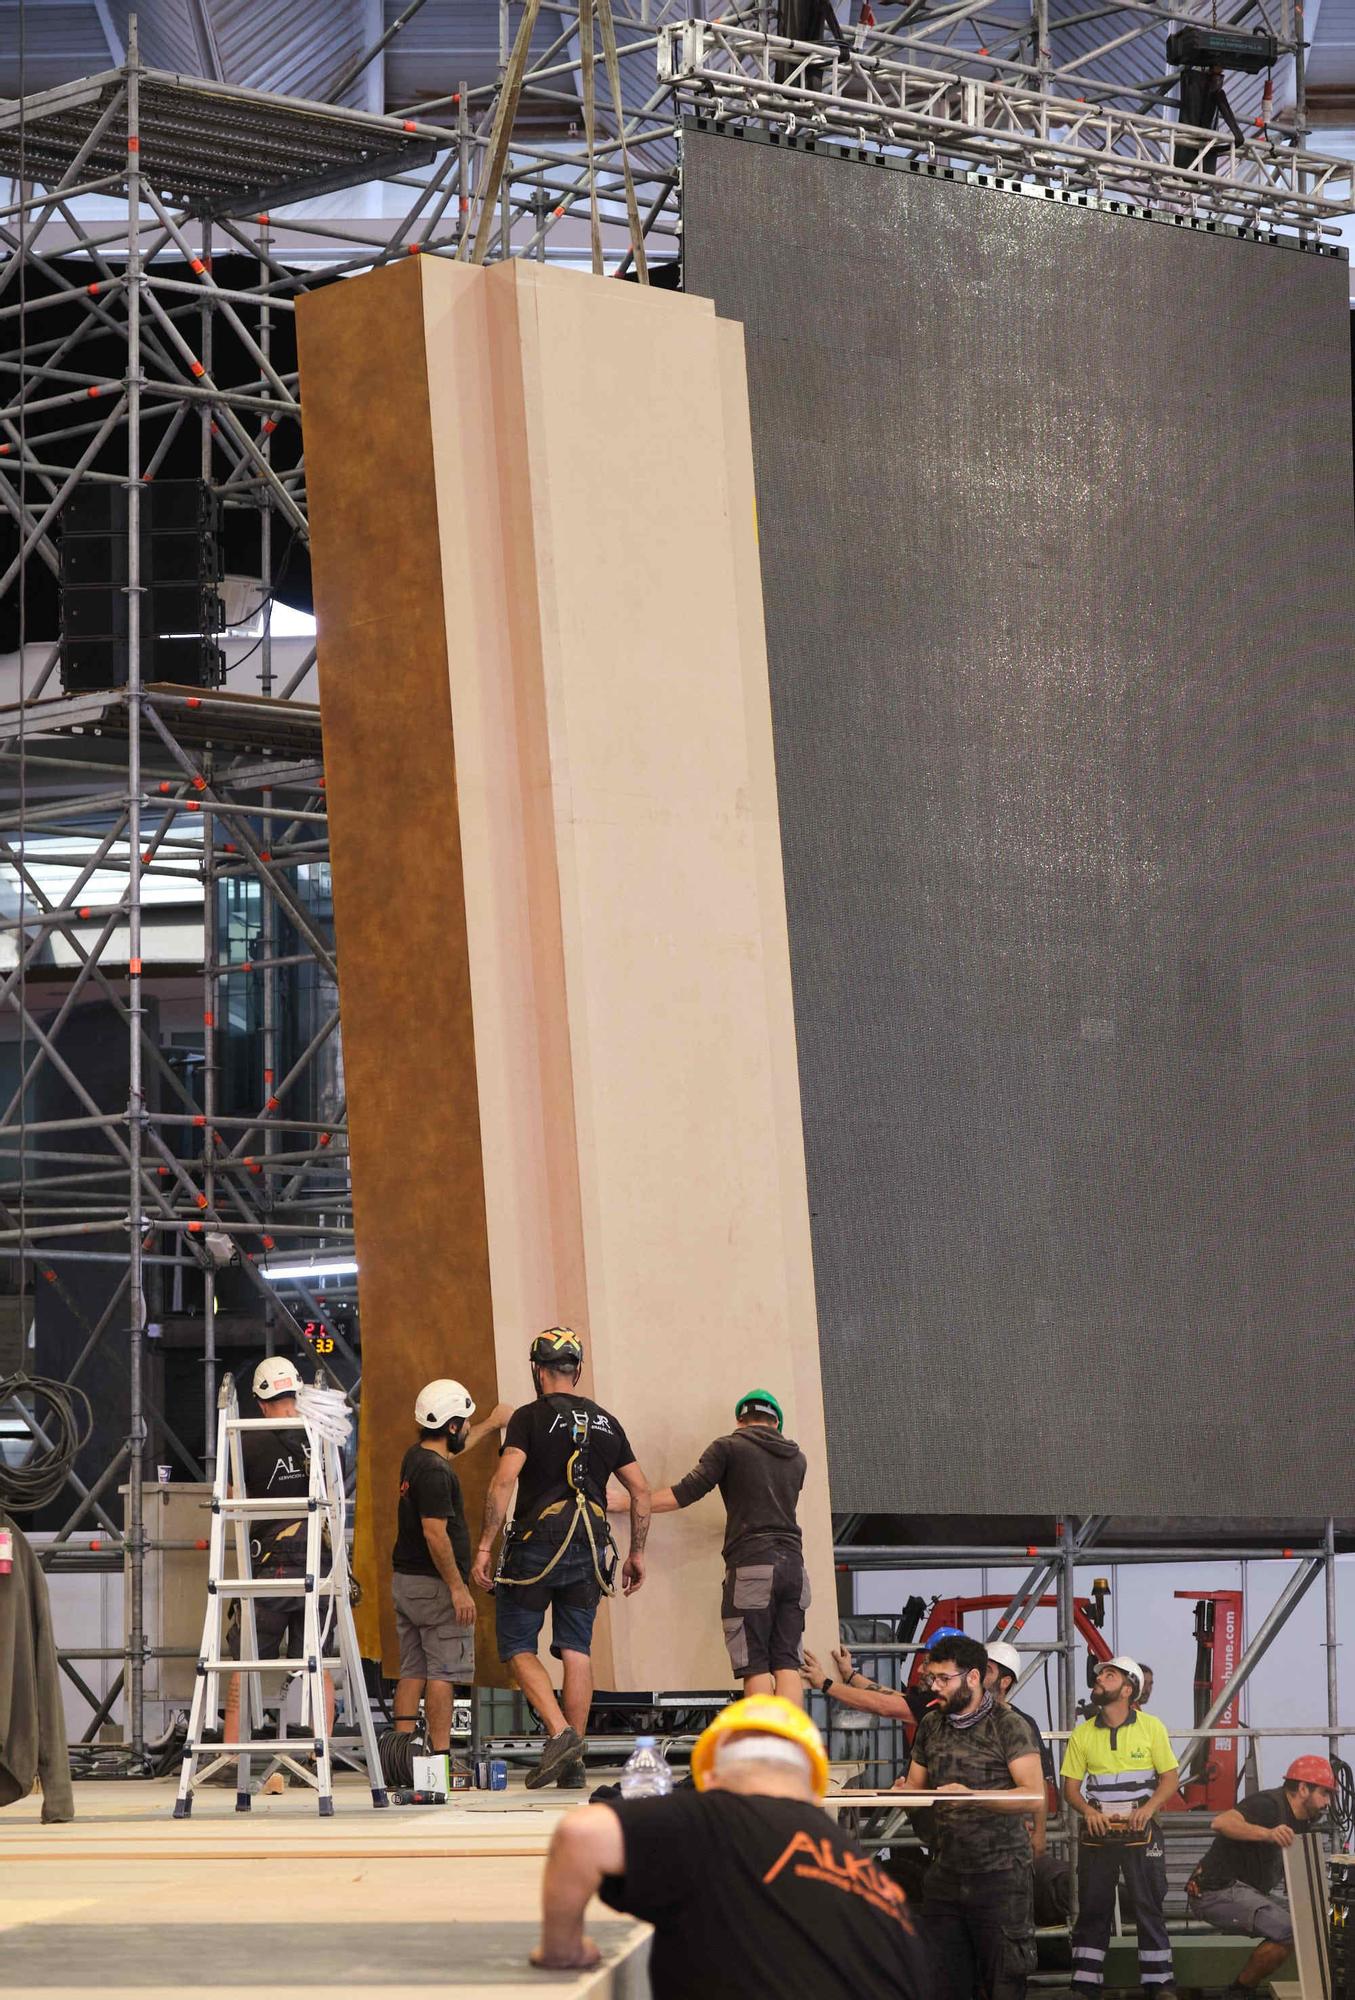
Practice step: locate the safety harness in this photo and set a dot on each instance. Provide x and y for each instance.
(576, 1511)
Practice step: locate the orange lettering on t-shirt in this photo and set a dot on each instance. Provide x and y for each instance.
(800, 1843)
(822, 1862)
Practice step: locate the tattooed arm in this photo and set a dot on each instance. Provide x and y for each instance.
(511, 1462)
(635, 1483)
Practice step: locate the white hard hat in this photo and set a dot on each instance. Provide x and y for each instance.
(1004, 1656)
(1129, 1667)
(275, 1377)
(438, 1402)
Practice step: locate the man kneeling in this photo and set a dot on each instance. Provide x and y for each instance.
(749, 1885)
(1231, 1890)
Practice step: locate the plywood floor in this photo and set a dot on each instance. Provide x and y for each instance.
(128, 1901)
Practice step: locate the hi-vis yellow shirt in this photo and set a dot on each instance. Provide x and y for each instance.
(1118, 1767)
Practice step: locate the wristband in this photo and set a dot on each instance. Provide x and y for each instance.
(855, 1676)
(826, 1685)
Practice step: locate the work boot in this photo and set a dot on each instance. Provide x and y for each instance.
(558, 1753)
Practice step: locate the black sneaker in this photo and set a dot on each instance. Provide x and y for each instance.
(561, 1751)
(574, 1777)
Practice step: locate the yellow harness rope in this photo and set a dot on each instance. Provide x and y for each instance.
(582, 1504)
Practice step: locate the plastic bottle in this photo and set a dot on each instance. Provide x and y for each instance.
(646, 1775)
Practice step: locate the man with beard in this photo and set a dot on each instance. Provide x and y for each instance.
(1119, 1770)
(434, 1610)
(977, 1902)
(1233, 1887)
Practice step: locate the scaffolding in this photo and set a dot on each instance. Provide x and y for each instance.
(130, 190)
(880, 1743)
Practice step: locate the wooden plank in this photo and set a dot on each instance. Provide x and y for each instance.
(1305, 1882)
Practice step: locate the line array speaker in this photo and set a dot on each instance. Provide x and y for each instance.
(180, 576)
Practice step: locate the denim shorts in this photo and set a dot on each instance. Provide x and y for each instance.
(571, 1592)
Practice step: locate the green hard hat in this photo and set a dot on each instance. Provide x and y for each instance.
(763, 1402)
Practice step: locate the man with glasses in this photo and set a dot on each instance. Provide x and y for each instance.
(977, 1902)
(1119, 1770)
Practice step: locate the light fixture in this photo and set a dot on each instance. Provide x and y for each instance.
(295, 1274)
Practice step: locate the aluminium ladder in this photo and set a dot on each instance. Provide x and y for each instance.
(330, 1640)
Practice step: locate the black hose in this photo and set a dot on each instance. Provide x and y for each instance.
(62, 1413)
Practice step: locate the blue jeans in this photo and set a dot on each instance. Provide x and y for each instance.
(571, 1593)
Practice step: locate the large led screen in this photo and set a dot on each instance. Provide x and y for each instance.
(1056, 529)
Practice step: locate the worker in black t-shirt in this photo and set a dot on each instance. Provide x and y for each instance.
(560, 1451)
(1233, 1887)
(759, 1473)
(434, 1611)
(276, 1465)
(750, 1887)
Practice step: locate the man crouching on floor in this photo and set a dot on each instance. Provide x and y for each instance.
(748, 1883)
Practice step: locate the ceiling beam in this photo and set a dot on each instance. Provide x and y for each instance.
(117, 48)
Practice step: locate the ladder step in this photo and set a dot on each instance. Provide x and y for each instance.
(264, 1666)
(264, 1510)
(298, 1746)
(255, 1586)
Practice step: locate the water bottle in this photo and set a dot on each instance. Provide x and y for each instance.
(646, 1775)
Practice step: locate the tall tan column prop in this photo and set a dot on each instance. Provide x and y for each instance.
(617, 890)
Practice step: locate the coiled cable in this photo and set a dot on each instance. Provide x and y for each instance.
(61, 1413)
(1343, 1802)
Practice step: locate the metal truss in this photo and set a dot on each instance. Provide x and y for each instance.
(1022, 129)
(128, 191)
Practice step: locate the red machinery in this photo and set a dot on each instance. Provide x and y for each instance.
(1211, 1775)
(1088, 1617)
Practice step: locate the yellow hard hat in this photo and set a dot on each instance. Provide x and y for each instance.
(768, 1715)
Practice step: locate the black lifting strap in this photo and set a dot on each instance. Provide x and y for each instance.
(576, 1472)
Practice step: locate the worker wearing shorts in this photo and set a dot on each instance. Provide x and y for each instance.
(759, 1473)
(559, 1451)
(1233, 1888)
(430, 1563)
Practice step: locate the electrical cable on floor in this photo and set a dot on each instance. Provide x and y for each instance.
(62, 1412)
(1343, 1802)
(396, 1750)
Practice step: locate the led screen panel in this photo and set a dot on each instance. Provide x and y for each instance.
(1056, 535)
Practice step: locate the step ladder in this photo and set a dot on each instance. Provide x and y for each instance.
(330, 1640)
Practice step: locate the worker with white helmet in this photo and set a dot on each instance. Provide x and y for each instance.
(434, 1610)
(1051, 1871)
(750, 1886)
(1119, 1770)
(276, 1466)
(1004, 1671)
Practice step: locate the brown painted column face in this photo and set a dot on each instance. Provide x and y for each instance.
(564, 973)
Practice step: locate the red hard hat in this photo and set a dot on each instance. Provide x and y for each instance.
(1312, 1771)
